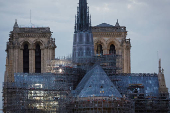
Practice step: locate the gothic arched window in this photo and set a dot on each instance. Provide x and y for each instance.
(99, 49)
(112, 49)
(26, 59)
(37, 59)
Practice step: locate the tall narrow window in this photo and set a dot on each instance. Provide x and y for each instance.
(26, 59)
(99, 49)
(112, 49)
(37, 59)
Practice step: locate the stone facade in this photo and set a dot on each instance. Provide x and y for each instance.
(107, 36)
(21, 36)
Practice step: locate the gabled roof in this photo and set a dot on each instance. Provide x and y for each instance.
(96, 83)
(104, 25)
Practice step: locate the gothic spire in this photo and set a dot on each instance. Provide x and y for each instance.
(159, 66)
(82, 17)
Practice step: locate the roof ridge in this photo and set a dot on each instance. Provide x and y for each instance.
(96, 82)
(104, 25)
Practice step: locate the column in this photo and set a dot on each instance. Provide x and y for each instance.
(105, 51)
(30, 60)
(21, 61)
(125, 61)
(42, 61)
(33, 60)
(45, 58)
(17, 60)
(129, 62)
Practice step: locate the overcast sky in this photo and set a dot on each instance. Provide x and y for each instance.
(147, 22)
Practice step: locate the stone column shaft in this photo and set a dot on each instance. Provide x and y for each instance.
(33, 61)
(21, 61)
(42, 61)
(104, 51)
(30, 61)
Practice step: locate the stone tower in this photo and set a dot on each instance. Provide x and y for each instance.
(29, 48)
(83, 49)
(162, 85)
(109, 39)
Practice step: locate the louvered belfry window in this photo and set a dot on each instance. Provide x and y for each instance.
(26, 59)
(37, 59)
(112, 49)
(99, 49)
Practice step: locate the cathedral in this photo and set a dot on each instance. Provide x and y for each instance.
(97, 77)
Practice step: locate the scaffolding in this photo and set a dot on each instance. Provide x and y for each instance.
(141, 82)
(116, 105)
(151, 105)
(53, 92)
(111, 63)
(101, 105)
(73, 74)
(36, 94)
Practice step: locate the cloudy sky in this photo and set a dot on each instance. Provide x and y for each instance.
(147, 22)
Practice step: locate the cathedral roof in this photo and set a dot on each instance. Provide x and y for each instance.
(96, 83)
(104, 25)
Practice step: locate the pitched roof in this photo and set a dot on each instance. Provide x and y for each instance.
(96, 83)
(104, 25)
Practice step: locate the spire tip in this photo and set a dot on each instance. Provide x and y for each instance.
(159, 65)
